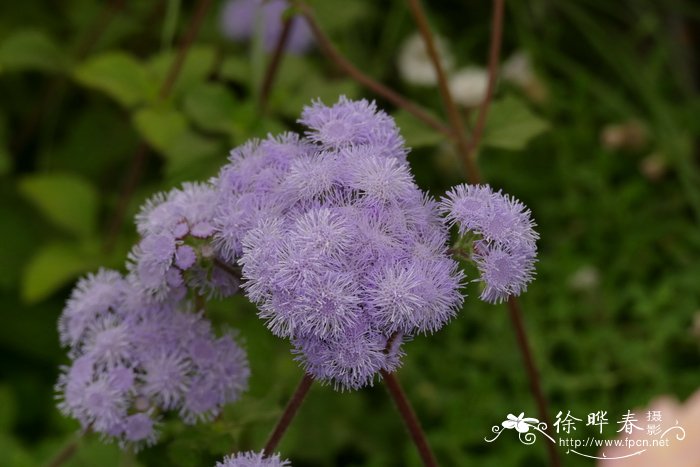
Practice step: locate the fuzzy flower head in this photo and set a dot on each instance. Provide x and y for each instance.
(132, 358)
(253, 459)
(241, 19)
(504, 244)
(339, 248)
(174, 254)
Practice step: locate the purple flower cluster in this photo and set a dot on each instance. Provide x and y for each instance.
(253, 459)
(133, 358)
(175, 253)
(240, 18)
(504, 248)
(340, 249)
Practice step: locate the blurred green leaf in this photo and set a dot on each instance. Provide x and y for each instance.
(30, 50)
(52, 267)
(65, 199)
(198, 64)
(160, 126)
(416, 133)
(13, 453)
(118, 75)
(236, 68)
(211, 107)
(8, 408)
(511, 124)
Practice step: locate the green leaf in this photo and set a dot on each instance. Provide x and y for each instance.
(211, 107)
(512, 125)
(416, 133)
(160, 126)
(167, 131)
(66, 200)
(198, 64)
(31, 50)
(51, 268)
(236, 68)
(118, 75)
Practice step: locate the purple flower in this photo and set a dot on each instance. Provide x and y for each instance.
(133, 357)
(339, 247)
(171, 257)
(241, 18)
(504, 248)
(253, 459)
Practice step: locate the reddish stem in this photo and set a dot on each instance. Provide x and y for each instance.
(288, 415)
(275, 61)
(410, 419)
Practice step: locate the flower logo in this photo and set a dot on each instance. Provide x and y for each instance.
(520, 423)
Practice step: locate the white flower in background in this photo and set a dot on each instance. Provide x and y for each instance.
(468, 86)
(414, 62)
(629, 135)
(584, 279)
(518, 70)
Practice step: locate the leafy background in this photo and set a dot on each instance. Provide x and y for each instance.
(76, 106)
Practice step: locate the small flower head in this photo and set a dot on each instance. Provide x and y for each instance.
(253, 459)
(505, 247)
(241, 18)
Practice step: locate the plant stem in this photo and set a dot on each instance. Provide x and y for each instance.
(274, 63)
(494, 59)
(139, 158)
(453, 114)
(516, 317)
(288, 415)
(65, 454)
(378, 88)
(409, 417)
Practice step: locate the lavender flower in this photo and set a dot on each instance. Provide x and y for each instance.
(253, 459)
(338, 246)
(505, 248)
(133, 357)
(174, 253)
(240, 18)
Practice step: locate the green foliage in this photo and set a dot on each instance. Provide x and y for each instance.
(211, 107)
(119, 75)
(53, 266)
(31, 50)
(68, 201)
(511, 124)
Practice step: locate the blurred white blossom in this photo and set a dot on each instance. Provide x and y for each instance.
(468, 86)
(414, 62)
(518, 70)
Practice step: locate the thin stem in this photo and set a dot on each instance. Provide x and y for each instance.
(139, 158)
(288, 415)
(494, 59)
(66, 453)
(532, 373)
(409, 417)
(378, 88)
(453, 114)
(274, 63)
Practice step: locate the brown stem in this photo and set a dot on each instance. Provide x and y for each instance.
(274, 63)
(453, 114)
(378, 88)
(409, 417)
(494, 58)
(137, 162)
(65, 454)
(288, 415)
(532, 373)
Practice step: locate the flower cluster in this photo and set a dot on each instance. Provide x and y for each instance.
(175, 253)
(133, 358)
(339, 248)
(253, 459)
(241, 18)
(504, 247)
